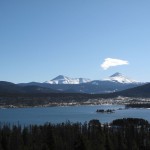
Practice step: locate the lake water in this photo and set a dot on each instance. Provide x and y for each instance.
(42, 115)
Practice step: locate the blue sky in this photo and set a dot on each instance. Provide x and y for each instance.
(40, 39)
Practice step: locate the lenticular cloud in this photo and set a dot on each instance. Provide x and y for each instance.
(110, 62)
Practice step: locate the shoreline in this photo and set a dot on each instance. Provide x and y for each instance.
(126, 101)
(58, 105)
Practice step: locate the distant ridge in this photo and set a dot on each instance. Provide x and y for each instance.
(8, 88)
(11, 88)
(140, 91)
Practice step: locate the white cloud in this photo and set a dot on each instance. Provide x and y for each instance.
(111, 62)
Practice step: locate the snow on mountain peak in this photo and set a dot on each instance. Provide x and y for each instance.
(60, 77)
(118, 77)
(116, 74)
(67, 80)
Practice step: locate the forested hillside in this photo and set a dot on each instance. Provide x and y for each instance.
(122, 134)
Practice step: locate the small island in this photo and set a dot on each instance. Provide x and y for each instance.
(105, 111)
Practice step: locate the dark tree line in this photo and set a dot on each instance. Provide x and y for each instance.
(123, 134)
(145, 105)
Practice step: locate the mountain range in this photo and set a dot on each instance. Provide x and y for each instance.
(63, 84)
(117, 77)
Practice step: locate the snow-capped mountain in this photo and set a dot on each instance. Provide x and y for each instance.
(118, 77)
(116, 82)
(67, 80)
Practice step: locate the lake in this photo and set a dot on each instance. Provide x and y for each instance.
(42, 115)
